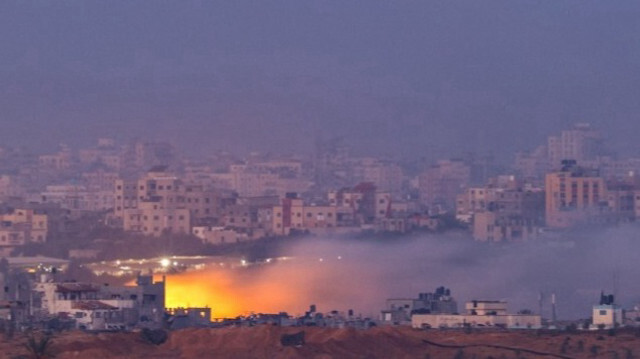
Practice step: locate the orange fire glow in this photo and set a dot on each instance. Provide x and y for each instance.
(272, 288)
(232, 293)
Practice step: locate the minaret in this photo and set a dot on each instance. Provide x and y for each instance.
(540, 299)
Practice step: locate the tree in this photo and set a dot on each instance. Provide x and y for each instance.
(39, 347)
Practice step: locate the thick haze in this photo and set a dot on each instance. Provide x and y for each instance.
(361, 275)
(431, 78)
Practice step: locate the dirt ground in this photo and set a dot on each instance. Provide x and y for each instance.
(381, 342)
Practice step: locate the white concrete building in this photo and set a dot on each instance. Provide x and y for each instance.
(607, 316)
(479, 314)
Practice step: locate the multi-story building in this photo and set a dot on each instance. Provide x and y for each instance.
(480, 313)
(160, 202)
(581, 143)
(78, 198)
(472, 200)
(95, 307)
(362, 204)
(21, 226)
(105, 153)
(151, 218)
(504, 209)
(10, 187)
(293, 215)
(387, 177)
(573, 195)
(400, 310)
(532, 165)
(607, 314)
(58, 161)
(441, 183)
(100, 179)
(262, 179)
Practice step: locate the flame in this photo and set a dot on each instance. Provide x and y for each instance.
(231, 293)
(289, 286)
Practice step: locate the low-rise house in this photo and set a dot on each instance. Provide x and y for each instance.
(95, 307)
(219, 235)
(400, 310)
(480, 313)
(607, 314)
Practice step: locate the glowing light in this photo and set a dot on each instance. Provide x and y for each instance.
(165, 262)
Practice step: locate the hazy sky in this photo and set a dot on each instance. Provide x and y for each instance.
(417, 78)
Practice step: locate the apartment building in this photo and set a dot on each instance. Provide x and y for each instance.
(574, 195)
(105, 153)
(387, 177)
(293, 215)
(441, 183)
(363, 203)
(159, 202)
(580, 143)
(78, 198)
(479, 313)
(21, 226)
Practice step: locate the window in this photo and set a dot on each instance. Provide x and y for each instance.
(603, 312)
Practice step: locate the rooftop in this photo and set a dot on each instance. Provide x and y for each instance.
(75, 287)
(91, 305)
